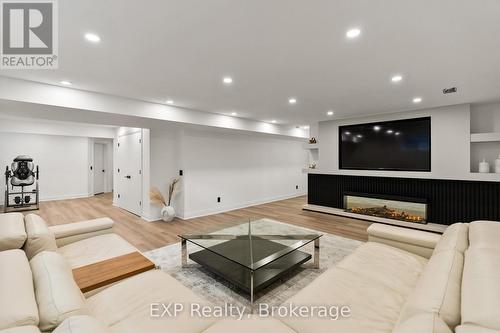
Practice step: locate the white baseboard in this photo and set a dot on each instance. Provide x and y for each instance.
(59, 197)
(68, 197)
(65, 197)
(205, 212)
(158, 218)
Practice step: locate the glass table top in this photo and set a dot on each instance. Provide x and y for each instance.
(254, 243)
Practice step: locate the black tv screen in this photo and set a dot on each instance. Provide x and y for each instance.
(401, 145)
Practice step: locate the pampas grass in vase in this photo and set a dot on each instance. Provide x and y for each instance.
(167, 211)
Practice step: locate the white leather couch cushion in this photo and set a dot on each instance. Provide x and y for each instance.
(57, 294)
(12, 232)
(72, 232)
(126, 306)
(395, 268)
(423, 323)
(481, 288)
(485, 234)
(474, 329)
(17, 297)
(250, 325)
(95, 249)
(40, 238)
(418, 242)
(438, 289)
(21, 329)
(455, 237)
(81, 324)
(374, 281)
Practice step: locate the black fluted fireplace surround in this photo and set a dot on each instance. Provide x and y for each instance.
(448, 201)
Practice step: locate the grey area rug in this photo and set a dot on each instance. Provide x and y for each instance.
(220, 292)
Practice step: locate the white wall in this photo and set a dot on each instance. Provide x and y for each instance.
(63, 162)
(450, 143)
(63, 150)
(164, 167)
(485, 118)
(240, 167)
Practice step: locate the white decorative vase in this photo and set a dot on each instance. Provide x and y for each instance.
(484, 167)
(497, 164)
(167, 213)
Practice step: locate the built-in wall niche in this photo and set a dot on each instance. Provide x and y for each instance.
(313, 151)
(485, 136)
(489, 151)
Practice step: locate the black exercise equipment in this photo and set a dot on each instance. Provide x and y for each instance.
(23, 175)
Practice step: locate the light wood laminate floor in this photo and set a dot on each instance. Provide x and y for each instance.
(151, 235)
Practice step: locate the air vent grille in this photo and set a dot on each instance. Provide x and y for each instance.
(451, 90)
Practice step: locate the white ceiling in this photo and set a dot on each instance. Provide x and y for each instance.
(163, 49)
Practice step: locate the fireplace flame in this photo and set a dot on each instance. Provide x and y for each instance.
(386, 212)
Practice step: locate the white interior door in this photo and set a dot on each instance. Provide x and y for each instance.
(99, 169)
(129, 182)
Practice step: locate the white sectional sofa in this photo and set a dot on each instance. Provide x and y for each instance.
(401, 281)
(80, 243)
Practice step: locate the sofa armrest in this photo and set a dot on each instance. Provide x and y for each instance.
(72, 232)
(21, 329)
(418, 242)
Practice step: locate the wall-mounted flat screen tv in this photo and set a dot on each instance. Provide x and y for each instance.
(399, 145)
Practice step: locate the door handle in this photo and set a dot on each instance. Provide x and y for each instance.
(128, 177)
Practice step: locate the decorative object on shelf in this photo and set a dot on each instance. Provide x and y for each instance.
(497, 164)
(313, 140)
(484, 167)
(167, 211)
(312, 165)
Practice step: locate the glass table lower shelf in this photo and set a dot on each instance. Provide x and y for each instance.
(250, 256)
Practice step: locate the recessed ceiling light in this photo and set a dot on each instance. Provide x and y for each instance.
(353, 33)
(234, 114)
(292, 100)
(390, 131)
(329, 113)
(92, 37)
(396, 78)
(397, 133)
(417, 100)
(65, 83)
(169, 101)
(227, 80)
(347, 133)
(273, 121)
(376, 128)
(359, 136)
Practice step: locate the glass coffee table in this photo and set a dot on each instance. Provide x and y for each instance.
(253, 254)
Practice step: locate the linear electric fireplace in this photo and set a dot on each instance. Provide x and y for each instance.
(396, 208)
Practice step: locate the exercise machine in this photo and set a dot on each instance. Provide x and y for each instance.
(23, 175)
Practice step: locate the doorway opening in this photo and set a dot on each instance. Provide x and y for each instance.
(101, 166)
